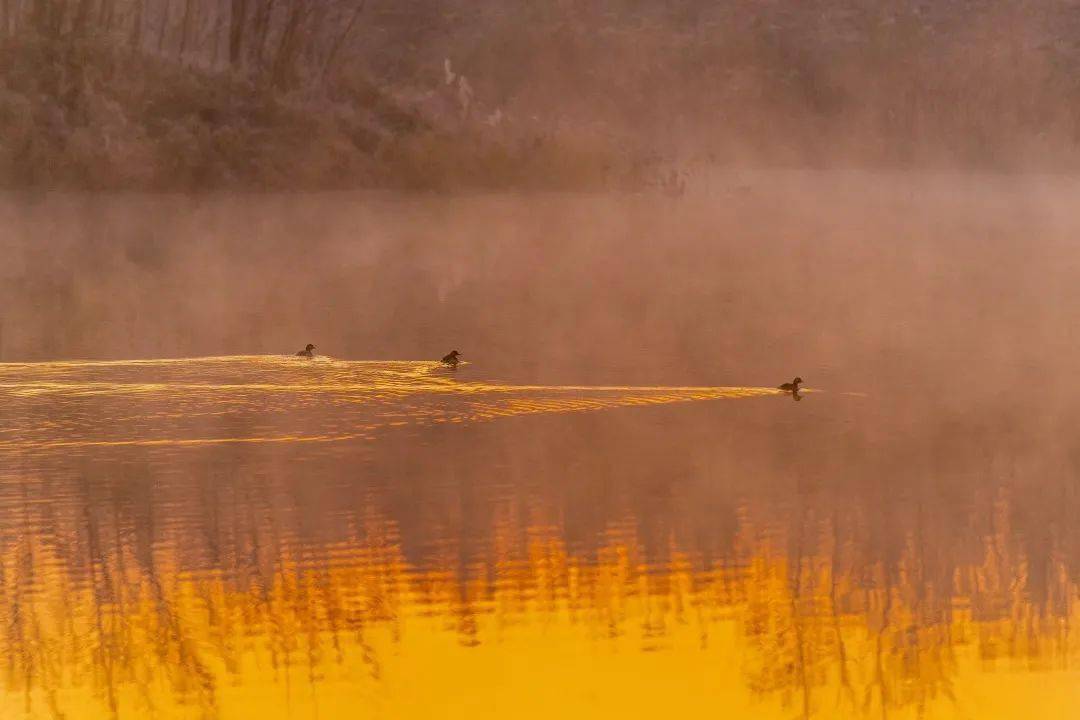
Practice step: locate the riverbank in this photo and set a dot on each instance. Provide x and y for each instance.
(94, 115)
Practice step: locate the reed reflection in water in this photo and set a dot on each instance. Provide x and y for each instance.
(749, 559)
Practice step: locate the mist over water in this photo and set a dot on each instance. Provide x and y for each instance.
(607, 508)
(749, 278)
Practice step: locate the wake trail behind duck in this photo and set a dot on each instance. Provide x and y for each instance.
(277, 399)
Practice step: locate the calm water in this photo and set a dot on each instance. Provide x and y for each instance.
(260, 536)
(607, 513)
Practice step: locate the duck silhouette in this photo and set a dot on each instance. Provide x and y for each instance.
(451, 360)
(306, 352)
(792, 386)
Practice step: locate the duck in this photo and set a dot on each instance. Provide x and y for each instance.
(451, 359)
(306, 352)
(792, 386)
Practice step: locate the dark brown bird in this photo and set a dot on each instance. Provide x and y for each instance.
(451, 359)
(792, 386)
(306, 352)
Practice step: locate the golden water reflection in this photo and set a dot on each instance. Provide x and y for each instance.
(533, 630)
(738, 559)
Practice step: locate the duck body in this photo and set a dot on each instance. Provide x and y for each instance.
(792, 386)
(306, 352)
(451, 359)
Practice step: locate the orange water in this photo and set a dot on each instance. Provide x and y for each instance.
(267, 537)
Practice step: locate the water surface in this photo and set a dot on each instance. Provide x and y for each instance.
(607, 512)
(258, 535)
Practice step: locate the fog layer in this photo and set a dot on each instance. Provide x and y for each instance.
(862, 282)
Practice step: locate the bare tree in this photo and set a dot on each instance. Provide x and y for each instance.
(135, 39)
(185, 28)
(314, 37)
(163, 29)
(82, 17)
(236, 32)
(340, 40)
(106, 14)
(46, 17)
(260, 28)
(289, 44)
(215, 35)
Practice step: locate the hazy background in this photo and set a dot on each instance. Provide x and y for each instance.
(196, 94)
(860, 281)
(862, 191)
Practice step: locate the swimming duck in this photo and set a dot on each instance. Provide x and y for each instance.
(306, 352)
(451, 359)
(792, 386)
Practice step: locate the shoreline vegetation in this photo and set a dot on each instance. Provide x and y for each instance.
(91, 115)
(204, 95)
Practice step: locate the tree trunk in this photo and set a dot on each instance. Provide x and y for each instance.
(185, 28)
(290, 36)
(215, 35)
(164, 26)
(260, 25)
(107, 14)
(59, 12)
(202, 24)
(314, 36)
(339, 41)
(54, 17)
(41, 16)
(236, 32)
(135, 40)
(82, 17)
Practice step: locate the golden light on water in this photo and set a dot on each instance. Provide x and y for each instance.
(201, 539)
(366, 397)
(535, 631)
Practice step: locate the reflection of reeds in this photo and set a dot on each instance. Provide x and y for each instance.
(90, 626)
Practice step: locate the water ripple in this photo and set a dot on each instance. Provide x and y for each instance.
(272, 399)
